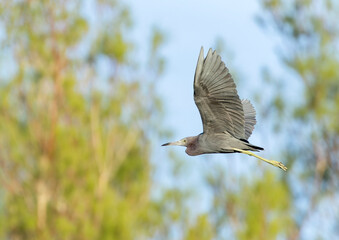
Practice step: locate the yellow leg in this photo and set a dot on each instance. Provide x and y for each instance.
(274, 163)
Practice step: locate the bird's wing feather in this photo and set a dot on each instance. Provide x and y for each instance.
(216, 96)
(250, 120)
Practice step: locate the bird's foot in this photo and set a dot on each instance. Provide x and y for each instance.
(272, 162)
(277, 164)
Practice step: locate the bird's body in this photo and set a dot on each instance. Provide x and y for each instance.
(216, 143)
(227, 121)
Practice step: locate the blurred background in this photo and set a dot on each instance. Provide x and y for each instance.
(89, 90)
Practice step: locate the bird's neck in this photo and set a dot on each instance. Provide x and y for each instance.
(193, 146)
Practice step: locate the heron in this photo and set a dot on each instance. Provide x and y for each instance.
(227, 121)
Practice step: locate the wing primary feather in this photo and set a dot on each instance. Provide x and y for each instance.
(207, 64)
(199, 65)
(213, 68)
(222, 77)
(214, 63)
(217, 66)
(250, 120)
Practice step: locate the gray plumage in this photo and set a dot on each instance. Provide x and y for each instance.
(216, 97)
(227, 121)
(249, 117)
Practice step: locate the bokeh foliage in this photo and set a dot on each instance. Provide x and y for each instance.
(75, 123)
(308, 51)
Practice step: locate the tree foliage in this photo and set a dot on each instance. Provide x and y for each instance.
(75, 146)
(309, 35)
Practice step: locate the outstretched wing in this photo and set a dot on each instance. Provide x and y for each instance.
(216, 97)
(250, 120)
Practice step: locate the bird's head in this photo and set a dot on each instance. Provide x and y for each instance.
(181, 142)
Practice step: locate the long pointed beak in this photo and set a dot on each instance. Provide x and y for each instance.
(177, 143)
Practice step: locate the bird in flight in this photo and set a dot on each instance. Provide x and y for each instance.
(227, 121)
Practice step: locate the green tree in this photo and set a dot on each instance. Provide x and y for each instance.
(75, 123)
(255, 207)
(309, 54)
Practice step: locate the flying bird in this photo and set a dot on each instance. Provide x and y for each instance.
(227, 121)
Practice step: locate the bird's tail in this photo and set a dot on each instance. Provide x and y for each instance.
(251, 147)
(254, 148)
